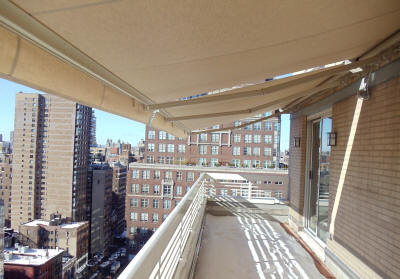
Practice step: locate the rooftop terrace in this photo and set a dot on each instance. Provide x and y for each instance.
(214, 236)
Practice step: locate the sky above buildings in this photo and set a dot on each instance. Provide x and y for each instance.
(109, 126)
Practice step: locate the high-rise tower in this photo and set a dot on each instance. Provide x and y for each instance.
(51, 148)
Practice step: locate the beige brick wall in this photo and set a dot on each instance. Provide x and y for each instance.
(297, 160)
(368, 217)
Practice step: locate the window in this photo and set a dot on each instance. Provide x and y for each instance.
(190, 176)
(144, 203)
(257, 126)
(151, 134)
(236, 163)
(248, 127)
(133, 230)
(256, 151)
(150, 147)
(278, 195)
(155, 203)
(168, 174)
(237, 123)
(246, 163)
(167, 189)
(150, 159)
(268, 139)
(179, 176)
(214, 150)
(256, 163)
(134, 188)
(267, 126)
(157, 174)
(162, 135)
(144, 217)
(202, 161)
(213, 162)
(223, 192)
(146, 174)
(154, 218)
(171, 137)
(267, 151)
(203, 149)
(236, 138)
(267, 164)
(247, 138)
(180, 160)
(156, 189)
(278, 182)
(171, 148)
(181, 148)
(145, 188)
(161, 160)
(178, 190)
(135, 174)
(166, 204)
(203, 137)
(215, 137)
(247, 150)
(161, 147)
(134, 202)
(134, 216)
(257, 139)
(169, 160)
(268, 113)
(236, 151)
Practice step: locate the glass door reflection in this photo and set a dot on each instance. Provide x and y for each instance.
(319, 178)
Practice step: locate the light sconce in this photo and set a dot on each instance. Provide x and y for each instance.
(332, 139)
(296, 141)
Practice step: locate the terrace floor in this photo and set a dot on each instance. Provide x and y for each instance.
(241, 240)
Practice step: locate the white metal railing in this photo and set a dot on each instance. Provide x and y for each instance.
(245, 190)
(169, 253)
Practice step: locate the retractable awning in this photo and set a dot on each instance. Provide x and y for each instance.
(159, 60)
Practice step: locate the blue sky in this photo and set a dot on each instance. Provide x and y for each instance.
(108, 125)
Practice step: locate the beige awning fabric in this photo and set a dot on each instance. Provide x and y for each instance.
(125, 56)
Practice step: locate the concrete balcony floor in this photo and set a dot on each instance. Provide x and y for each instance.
(243, 240)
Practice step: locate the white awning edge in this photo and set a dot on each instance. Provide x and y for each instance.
(25, 63)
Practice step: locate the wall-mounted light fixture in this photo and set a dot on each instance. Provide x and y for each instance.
(296, 141)
(332, 139)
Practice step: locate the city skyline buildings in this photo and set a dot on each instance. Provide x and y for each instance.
(50, 158)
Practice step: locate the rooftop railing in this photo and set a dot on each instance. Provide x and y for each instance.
(171, 251)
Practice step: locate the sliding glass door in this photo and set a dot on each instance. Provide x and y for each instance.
(318, 192)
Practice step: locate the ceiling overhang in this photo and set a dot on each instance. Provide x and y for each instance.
(143, 60)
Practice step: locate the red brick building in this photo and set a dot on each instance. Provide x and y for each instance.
(28, 263)
(256, 146)
(153, 191)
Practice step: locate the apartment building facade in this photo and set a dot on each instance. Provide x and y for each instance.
(154, 190)
(51, 148)
(5, 185)
(100, 177)
(71, 237)
(254, 146)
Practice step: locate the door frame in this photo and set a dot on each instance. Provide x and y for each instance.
(310, 120)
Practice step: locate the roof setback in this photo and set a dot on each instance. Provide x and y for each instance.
(125, 56)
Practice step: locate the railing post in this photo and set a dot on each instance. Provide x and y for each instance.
(250, 190)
